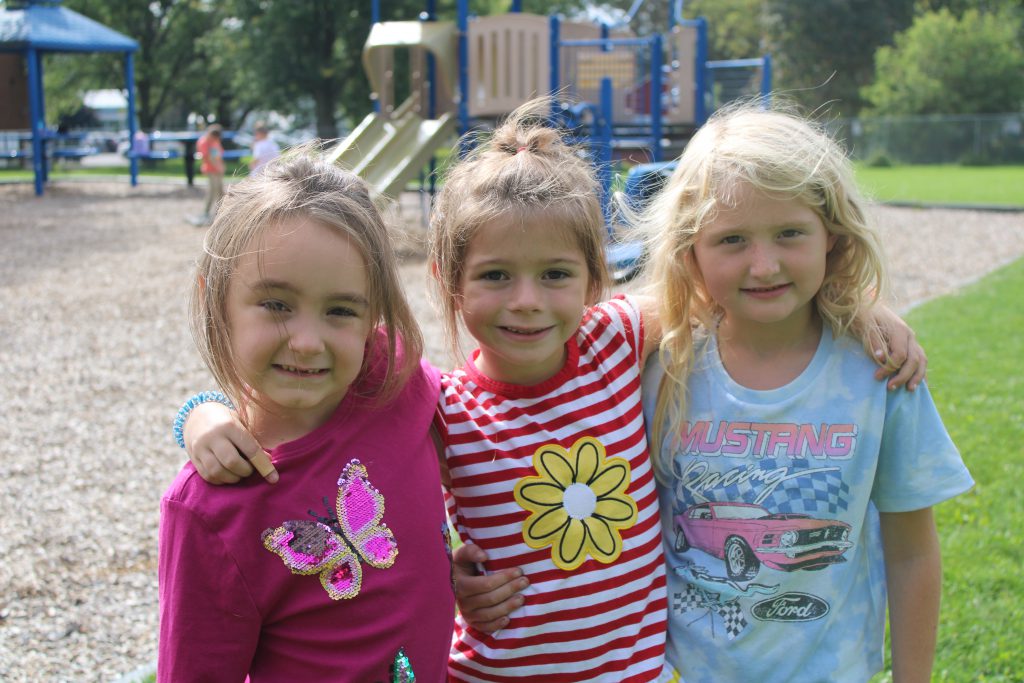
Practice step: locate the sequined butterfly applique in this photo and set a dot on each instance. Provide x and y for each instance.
(334, 545)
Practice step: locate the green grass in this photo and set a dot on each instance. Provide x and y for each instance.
(975, 345)
(996, 185)
(170, 168)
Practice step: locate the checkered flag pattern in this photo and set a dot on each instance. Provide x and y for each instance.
(817, 491)
(698, 599)
(732, 617)
(693, 598)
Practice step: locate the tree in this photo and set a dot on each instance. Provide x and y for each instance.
(170, 65)
(736, 28)
(823, 50)
(311, 52)
(943, 64)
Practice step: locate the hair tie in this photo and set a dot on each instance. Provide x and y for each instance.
(521, 149)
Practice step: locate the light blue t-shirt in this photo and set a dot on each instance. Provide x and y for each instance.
(770, 524)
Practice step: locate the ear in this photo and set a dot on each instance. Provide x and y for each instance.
(832, 239)
(435, 272)
(201, 283)
(692, 265)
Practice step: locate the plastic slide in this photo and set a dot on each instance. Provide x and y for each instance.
(389, 153)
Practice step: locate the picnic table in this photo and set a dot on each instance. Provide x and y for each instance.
(188, 140)
(56, 145)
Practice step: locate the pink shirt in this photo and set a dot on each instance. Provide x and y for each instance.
(231, 606)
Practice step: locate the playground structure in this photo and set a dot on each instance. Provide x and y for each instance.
(28, 30)
(626, 97)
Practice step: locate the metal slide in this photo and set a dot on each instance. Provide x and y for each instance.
(389, 153)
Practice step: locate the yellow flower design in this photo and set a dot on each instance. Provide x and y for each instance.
(578, 503)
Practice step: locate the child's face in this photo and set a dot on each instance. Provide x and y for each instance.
(299, 318)
(523, 293)
(763, 261)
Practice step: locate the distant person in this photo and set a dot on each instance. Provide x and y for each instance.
(264, 148)
(211, 152)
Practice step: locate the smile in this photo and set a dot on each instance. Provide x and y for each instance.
(524, 331)
(302, 372)
(766, 292)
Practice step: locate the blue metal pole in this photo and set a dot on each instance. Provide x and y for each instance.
(463, 25)
(517, 6)
(766, 82)
(431, 15)
(603, 157)
(36, 113)
(656, 130)
(129, 85)
(555, 74)
(375, 19)
(700, 113)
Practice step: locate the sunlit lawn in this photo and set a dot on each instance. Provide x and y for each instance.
(975, 345)
(994, 185)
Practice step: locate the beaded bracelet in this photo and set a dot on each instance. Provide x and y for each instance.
(186, 410)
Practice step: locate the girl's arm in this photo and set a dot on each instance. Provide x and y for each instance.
(209, 623)
(486, 600)
(222, 450)
(896, 350)
(652, 325)
(913, 574)
(893, 343)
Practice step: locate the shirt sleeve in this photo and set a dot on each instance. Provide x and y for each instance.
(624, 315)
(209, 623)
(918, 464)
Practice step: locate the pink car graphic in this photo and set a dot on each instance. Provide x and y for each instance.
(746, 536)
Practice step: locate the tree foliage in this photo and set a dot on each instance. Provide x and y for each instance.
(943, 64)
(171, 65)
(736, 28)
(823, 50)
(310, 53)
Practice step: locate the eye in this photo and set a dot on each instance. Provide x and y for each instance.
(557, 274)
(790, 232)
(274, 306)
(493, 276)
(343, 311)
(731, 239)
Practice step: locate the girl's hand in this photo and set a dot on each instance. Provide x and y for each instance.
(897, 351)
(221, 449)
(485, 600)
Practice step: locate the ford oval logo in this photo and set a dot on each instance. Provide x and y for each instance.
(791, 607)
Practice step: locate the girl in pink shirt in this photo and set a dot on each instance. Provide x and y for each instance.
(341, 572)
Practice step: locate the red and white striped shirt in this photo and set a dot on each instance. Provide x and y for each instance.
(604, 620)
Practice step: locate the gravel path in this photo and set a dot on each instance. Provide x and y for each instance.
(95, 359)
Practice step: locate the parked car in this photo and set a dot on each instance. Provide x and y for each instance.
(747, 536)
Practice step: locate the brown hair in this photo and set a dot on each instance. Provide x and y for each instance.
(524, 168)
(299, 184)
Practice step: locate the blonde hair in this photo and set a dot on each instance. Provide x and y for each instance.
(780, 154)
(524, 169)
(300, 184)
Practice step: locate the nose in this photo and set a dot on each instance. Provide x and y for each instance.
(524, 295)
(304, 337)
(764, 262)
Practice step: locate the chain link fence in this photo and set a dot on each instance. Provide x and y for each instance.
(979, 139)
